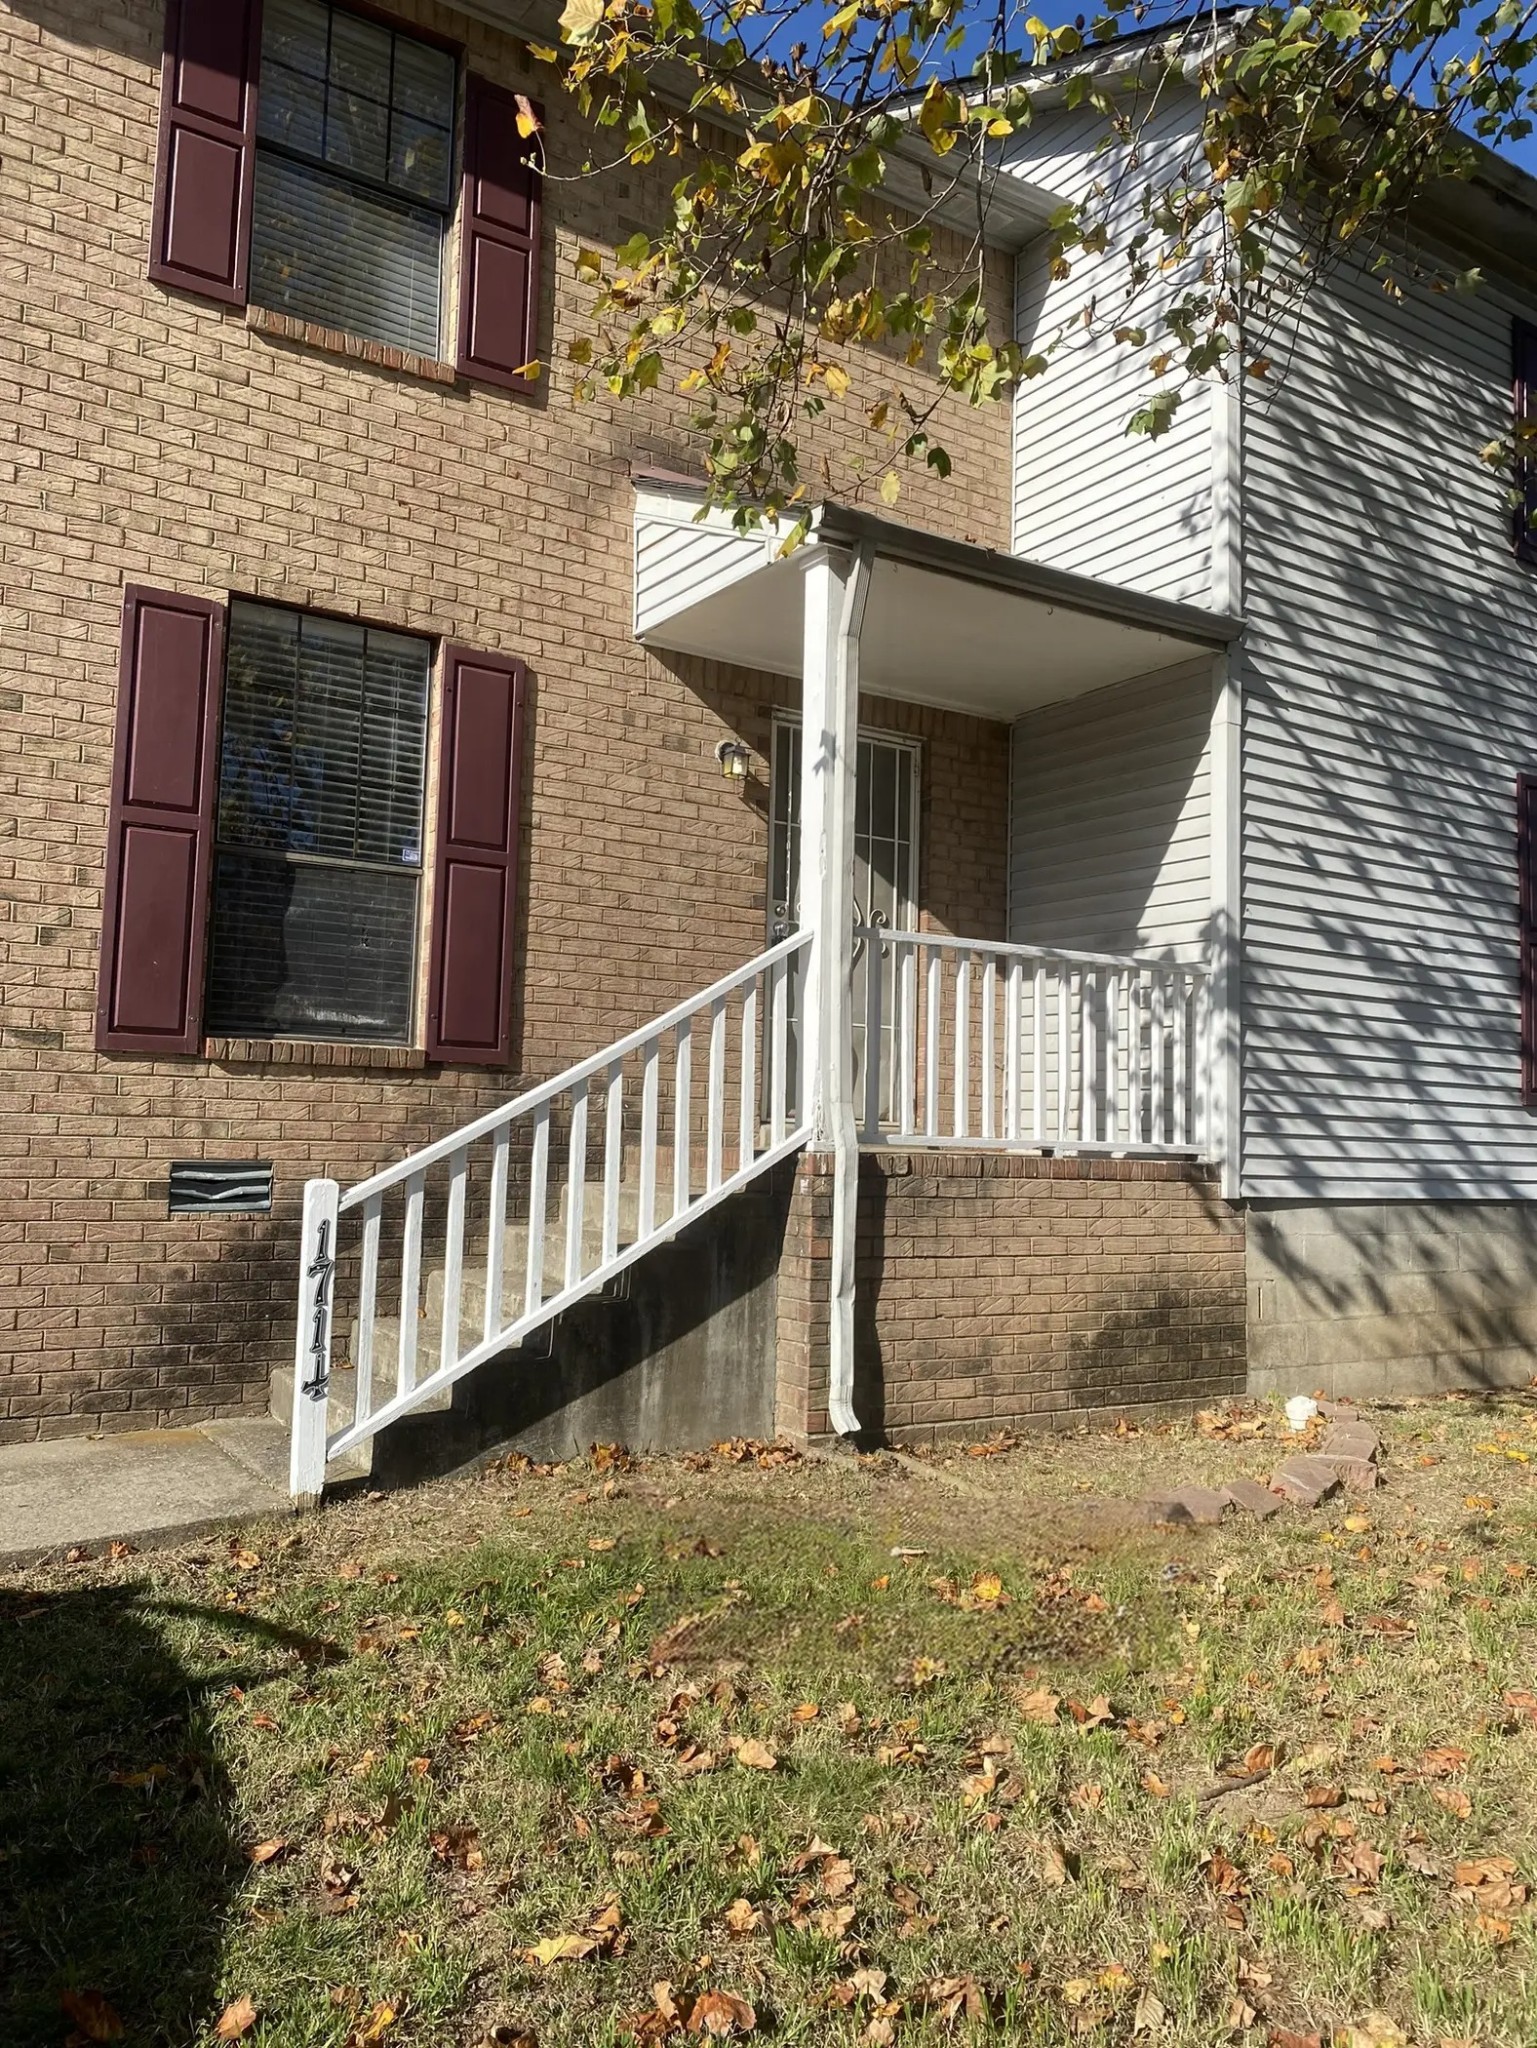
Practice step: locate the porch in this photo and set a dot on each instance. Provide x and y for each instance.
(1079, 1039)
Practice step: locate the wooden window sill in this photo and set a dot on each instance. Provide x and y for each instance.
(312, 1052)
(337, 342)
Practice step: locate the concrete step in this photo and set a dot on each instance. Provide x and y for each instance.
(472, 1297)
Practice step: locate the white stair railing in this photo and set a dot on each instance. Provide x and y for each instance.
(982, 1045)
(483, 1237)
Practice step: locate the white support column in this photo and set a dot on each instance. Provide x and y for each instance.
(836, 587)
(1223, 1050)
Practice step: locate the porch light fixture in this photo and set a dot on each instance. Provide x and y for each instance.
(734, 760)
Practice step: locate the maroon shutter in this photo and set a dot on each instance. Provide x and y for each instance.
(201, 236)
(469, 1002)
(160, 839)
(499, 244)
(1524, 522)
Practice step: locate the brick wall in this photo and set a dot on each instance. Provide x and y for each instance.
(1001, 1291)
(155, 438)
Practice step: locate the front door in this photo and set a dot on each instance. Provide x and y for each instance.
(885, 869)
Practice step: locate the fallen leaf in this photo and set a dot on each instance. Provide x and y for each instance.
(1150, 2013)
(1040, 1706)
(267, 1852)
(561, 1948)
(236, 2019)
(756, 1756)
(91, 2013)
(721, 2014)
(1453, 1798)
(743, 1917)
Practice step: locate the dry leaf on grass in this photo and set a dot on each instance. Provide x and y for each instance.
(756, 1756)
(237, 2018)
(267, 1852)
(721, 2014)
(92, 2015)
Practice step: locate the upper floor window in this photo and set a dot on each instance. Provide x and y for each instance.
(318, 829)
(354, 170)
(1524, 344)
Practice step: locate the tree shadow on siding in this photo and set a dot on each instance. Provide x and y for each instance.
(122, 1852)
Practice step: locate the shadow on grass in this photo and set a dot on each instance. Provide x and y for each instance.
(120, 1850)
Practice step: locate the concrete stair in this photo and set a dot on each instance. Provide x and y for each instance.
(341, 1403)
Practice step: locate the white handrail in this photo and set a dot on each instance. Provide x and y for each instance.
(486, 1227)
(584, 1070)
(1112, 1061)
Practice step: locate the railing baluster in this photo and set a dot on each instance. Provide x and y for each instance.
(1112, 1058)
(1064, 1048)
(682, 1114)
(1088, 1074)
(496, 1234)
(989, 1045)
(907, 1014)
(779, 1052)
(931, 1048)
(1013, 1051)
(453, 1259)
(368, 1296)
(410, 1282)
(613, 1159)
(1181, 1067)
(1038, 1056)
(650, 1093)
(963, 1046)
(576, 1184)
(872, 1073)
(715, 1108)
(1134, 1057)
(1202, 1051)
(747, 1109)
(538, 1201)
(1156, 1053)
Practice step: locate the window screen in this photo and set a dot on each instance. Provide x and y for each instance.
(318, 858)
(355, 145)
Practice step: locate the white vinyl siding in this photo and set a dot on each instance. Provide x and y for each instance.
(1110, 806)
(1390, 697)
(1088, 496)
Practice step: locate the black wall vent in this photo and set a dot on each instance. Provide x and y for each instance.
(220, 1187)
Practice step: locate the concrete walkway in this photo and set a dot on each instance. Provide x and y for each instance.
(150, 1486)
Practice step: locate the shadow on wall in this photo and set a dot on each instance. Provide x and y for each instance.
(122, 1850)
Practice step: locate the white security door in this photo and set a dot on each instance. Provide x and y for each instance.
(885, 869)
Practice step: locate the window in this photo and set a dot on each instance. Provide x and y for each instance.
(354, 169)
(318, 829)
(1524, 349)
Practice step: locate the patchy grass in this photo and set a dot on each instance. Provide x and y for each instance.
(874, 1750)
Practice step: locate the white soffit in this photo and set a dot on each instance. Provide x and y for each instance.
(932, 635)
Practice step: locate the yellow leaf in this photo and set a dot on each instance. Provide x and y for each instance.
(837, 380)
(561, 1948)
(756, 1755)
(588, 263)
(528, 122)
(543, 54)
(891, 487)
(580, 19)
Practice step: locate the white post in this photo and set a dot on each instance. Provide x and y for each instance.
(836, 587)
(1220, 1045)
(312, 1342)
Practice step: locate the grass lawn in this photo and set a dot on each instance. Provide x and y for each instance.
(869, 1750)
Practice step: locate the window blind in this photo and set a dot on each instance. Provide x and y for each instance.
(354, 165)
(319, 828)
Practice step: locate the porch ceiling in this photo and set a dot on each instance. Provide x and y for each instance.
(945, 623)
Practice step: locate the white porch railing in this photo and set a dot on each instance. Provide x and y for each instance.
(477, 1241)
(1029, 1046)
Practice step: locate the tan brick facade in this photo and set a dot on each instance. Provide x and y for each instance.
(159, 439)
(1003, 1291)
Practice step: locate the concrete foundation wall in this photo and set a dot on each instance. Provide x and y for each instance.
(1382, 1298)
